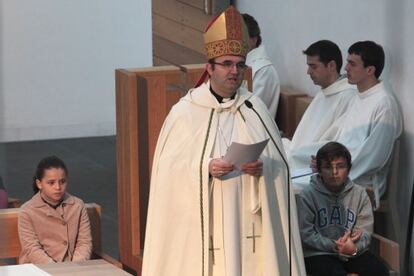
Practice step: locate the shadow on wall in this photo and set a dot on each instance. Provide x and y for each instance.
(2, 107)
(395, 38)
(396, 41)
(404, 193)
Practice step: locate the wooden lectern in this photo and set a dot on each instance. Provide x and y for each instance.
(143, 99)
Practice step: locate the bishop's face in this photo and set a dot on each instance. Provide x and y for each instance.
(226, 74)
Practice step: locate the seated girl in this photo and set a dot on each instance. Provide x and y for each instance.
(53, 225)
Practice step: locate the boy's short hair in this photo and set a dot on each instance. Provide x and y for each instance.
(331, 151)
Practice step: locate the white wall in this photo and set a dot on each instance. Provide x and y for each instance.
(57, 62)
(288, 27)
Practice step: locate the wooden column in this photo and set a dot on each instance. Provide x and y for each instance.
(143, 99)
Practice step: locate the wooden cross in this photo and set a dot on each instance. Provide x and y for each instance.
(212, 249)
(253, 236)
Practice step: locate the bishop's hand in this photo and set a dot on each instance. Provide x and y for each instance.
(254, 168)
(218, 167)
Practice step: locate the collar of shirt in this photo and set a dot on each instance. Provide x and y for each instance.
(219, 98)
(50, 204)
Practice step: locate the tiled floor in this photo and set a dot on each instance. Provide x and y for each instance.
(91, 164)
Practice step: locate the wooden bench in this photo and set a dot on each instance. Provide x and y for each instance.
(9, 237)
(388, 251)
(14, 202)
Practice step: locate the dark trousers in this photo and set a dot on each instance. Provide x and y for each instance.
(365, 264)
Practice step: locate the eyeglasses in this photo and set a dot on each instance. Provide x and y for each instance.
(227, 64)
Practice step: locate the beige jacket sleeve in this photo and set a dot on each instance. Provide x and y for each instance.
(31, 246)
(83, 247)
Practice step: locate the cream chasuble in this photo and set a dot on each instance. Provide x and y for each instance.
(233, 226)
(235, 230)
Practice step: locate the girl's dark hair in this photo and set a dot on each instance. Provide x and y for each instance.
(44, 164)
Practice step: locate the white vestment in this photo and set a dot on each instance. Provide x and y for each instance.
(266, 84)
(192, 215)
(368, 129)
(327, 106)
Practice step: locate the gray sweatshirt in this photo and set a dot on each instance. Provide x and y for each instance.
(325, 216)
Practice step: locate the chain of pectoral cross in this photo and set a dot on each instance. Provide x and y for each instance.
(228, 141)
(253, 237)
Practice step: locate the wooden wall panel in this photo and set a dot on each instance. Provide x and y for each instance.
(172, 53)
(208, 6)
(199, 4)
(158, 61)
(178, 33)
(178, 28)
(181, 13)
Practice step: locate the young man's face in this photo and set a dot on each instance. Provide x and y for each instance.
(334, 173)
(225, 80)
(318, 72)
(355, 70)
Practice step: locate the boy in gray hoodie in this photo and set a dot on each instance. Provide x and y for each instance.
(336, 219)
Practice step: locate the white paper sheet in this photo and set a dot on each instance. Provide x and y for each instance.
(239, 154)
(22, 270)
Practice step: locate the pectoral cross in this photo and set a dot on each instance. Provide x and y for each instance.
(212, 250)
(253, 236)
